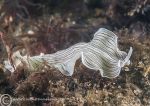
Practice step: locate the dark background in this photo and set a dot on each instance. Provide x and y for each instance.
(58, 24)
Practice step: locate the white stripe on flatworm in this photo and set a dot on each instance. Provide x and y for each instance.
(101, 54)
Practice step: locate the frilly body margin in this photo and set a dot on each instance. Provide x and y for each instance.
(102, 54)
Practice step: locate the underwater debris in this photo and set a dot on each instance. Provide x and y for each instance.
(102, 54)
